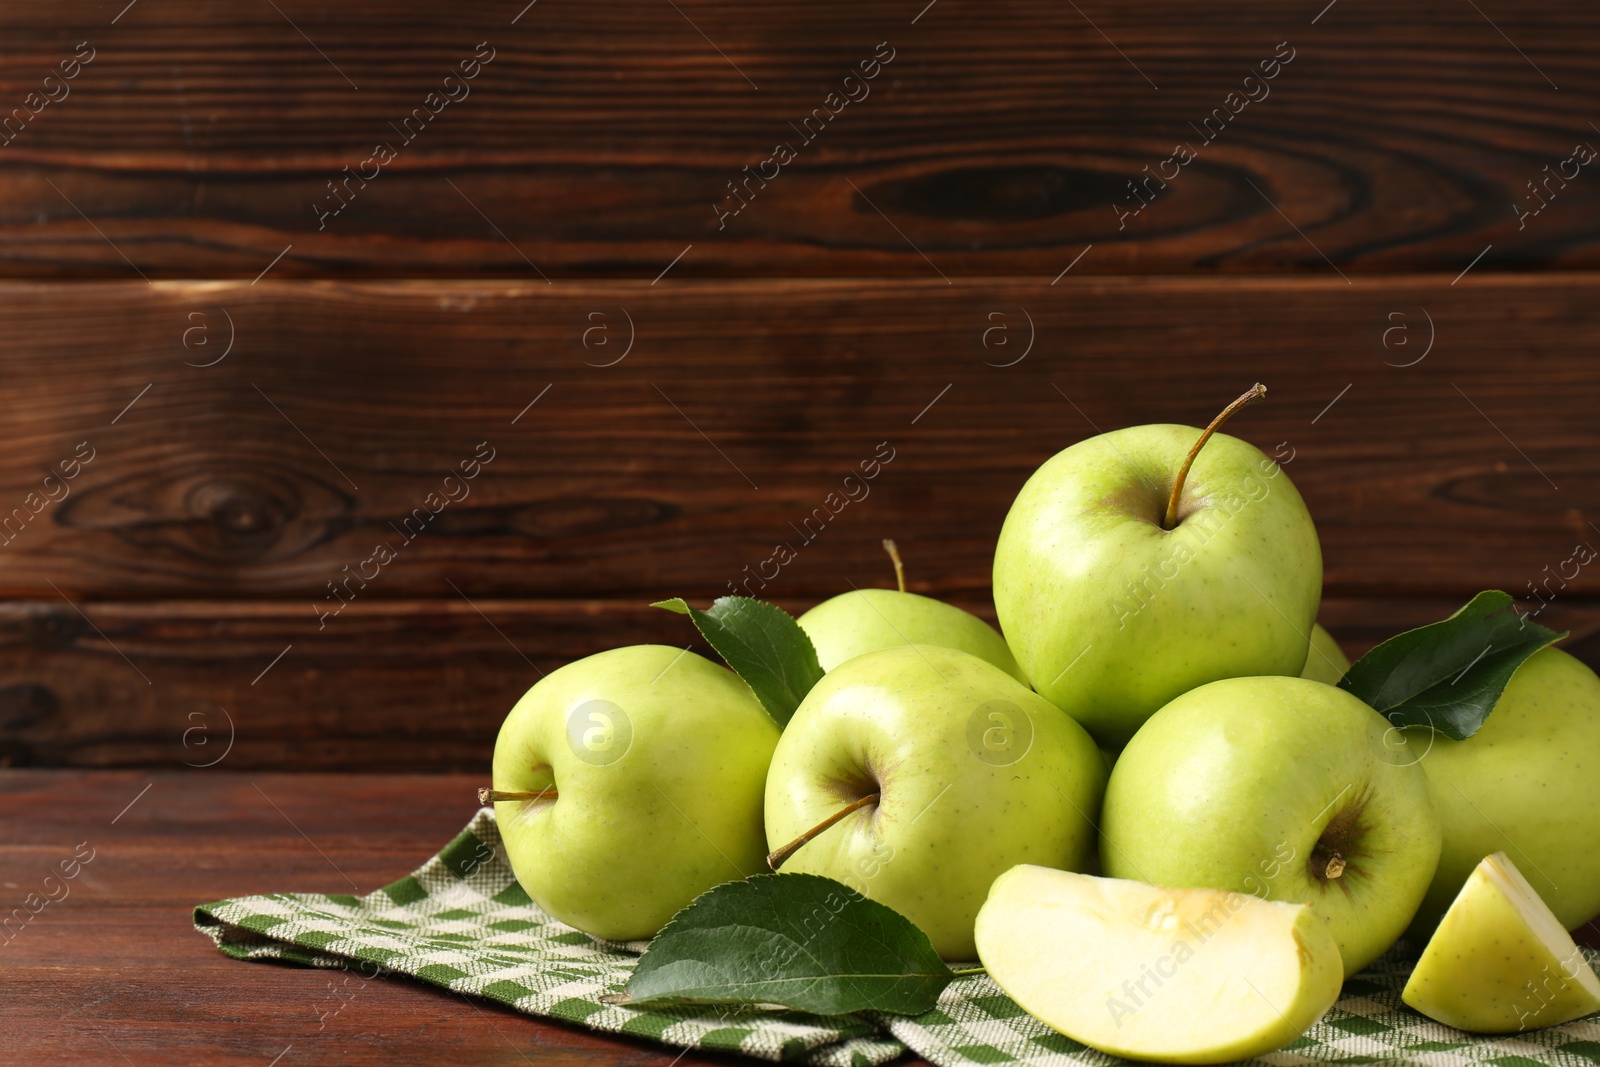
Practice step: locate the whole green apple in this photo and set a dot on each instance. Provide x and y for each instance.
(865, 620)
(1281, 787)
(973, 773)
(1112, 610)
(1325, 660)
(657, 759)
(1527, 783)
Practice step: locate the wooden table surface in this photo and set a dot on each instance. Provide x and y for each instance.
(116, 973)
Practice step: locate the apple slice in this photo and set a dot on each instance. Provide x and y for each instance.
(1500, 960)
(1170, 975)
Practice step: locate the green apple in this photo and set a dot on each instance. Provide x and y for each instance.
(1500, 960)
(865, 620)
(972, 771)
(1115, 603)
(1284, 788)
(1325, 660)
(657, 760)
(1170, 975)
(1527, 783)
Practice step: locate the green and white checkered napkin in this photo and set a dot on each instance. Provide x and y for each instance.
(462, 922)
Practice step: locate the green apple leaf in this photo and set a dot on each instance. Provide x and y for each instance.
(1449, 674)
(798, 941)
(764, 646)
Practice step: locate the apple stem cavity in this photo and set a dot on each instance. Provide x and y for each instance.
(899, 568)
(776, 858)
(1338, 848)
(487, 795)
(1250, 396)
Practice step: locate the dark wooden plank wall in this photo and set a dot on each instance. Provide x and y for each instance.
(939, 275)
(598, 138)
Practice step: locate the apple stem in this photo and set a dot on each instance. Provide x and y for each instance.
(899, 568)
(487, 795)
(1254, 393)
(964, 971)
(776, 858)
(1336, 866)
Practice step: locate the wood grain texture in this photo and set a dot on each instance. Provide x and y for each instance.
(171, 602)
(115, 972)
(599, 142)
(413, 686)
(732, 424)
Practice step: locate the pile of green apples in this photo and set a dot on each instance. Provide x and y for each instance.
(1148, 808)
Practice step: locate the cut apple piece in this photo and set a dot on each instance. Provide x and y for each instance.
(1500, 960)
(1170, 975)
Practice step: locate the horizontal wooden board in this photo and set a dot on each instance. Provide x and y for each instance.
(116, 973)
(732, 416)
(419, 686)
(1000, 138)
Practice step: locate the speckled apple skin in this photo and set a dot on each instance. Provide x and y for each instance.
(1528, 784)
(902, 722)
(1233, 785)
(865, 620)
(629, 842)
(1486, 970)
(1112, 616)
(1325, 660)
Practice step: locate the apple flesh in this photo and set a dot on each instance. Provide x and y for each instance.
(974, 774)
(1325, 660)
(1501, 961)
(657, 759)
(865, 620)
(1169, 975)
(1111, 615)
(1284, 788)
(1527, 783)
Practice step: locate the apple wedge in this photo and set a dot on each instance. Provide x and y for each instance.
(1169, 975)
(1500, 960)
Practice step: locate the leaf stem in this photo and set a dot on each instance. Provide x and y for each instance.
(776, 858)
(1250, 396)
(899, 568)
(963, 972)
